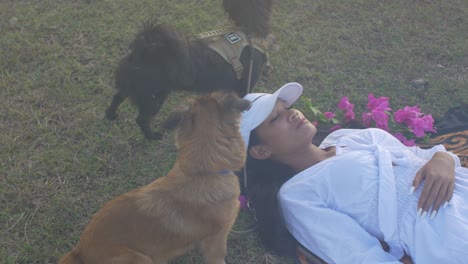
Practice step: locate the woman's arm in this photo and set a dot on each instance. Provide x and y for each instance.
(427, 154)
(439, 176)
(333, 236)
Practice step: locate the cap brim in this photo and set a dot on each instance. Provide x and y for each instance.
(290, 92)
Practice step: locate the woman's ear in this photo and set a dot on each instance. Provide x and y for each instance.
(260, 152)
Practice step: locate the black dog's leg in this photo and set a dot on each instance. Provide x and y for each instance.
(146, 111)
(144, 120)
(111, 113)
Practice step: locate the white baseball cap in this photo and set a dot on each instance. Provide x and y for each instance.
(263, 104)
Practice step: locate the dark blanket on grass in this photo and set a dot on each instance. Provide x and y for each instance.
(455, 142)
(452, 132)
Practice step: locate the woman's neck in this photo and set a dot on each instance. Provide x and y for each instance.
(308, 157)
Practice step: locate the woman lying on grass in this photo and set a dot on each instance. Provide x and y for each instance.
(358, 188)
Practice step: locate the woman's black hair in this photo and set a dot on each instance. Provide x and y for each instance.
(264, 179)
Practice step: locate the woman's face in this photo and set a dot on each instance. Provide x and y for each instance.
(284, 132)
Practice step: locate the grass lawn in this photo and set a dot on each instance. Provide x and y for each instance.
(61, 160)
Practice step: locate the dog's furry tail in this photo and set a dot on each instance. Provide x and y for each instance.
(251, 16)
(71, 258)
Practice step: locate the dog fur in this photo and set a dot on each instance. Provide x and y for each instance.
(196, 202)
(163, 60)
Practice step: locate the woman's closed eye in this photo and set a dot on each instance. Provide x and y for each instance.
(277, 115)
(274, 118)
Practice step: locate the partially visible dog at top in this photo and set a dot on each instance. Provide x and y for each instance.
(195, 203)
(162, 60)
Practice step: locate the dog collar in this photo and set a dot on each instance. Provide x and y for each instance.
(224, 172)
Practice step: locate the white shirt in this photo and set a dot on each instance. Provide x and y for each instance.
(341, 207)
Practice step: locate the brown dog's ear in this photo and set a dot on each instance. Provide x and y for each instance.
(232, 101)
(175, 117)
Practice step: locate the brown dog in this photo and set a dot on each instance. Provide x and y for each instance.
(197, 202)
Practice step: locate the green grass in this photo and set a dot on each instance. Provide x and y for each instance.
(61, 160)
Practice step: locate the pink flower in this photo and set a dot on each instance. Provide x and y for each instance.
(366, 119)
(243, 201)
(315, 123)
(404, 140)
(421, 125)
(348, 107)
(380, 103)
(380, 115)
(381, 119)
(349, 115)
(335, 127)
(399, 136)
(344, 104)
(407, 115)
(329, 115)
(410, 142)
(429, 123)
(399, 116)
(413, 111)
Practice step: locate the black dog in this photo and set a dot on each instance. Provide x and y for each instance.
(162, 60)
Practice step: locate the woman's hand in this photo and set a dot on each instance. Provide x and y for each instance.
(439, 176)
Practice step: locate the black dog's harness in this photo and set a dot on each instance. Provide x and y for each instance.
(229, 45)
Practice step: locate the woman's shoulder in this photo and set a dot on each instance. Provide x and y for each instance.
(317, 180)
(309, 175)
